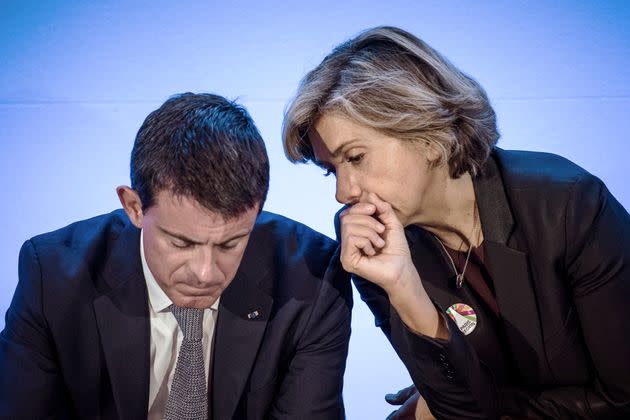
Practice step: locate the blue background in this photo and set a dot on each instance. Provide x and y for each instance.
(77, 78)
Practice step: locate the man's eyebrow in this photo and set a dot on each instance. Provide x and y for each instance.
(193, 242)
(180, 237)
(235, 237)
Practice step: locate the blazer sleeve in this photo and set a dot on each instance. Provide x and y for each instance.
(312, 386)
(30, 384)
(597, 273)
(598, 269)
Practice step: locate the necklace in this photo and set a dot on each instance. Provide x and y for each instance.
(459, 277)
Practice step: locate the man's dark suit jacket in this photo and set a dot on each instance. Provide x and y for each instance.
(76, 340)
(557, 246)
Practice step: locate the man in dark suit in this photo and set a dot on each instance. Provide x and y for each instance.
(100, 323)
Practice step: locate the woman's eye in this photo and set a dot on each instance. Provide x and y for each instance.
(355, 158)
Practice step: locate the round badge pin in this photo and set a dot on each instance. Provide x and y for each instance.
(464, 316)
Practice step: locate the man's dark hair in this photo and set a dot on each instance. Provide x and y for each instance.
(204, 147)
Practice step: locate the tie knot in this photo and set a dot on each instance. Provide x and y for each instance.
(190, 321)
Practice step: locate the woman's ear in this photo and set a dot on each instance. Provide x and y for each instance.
(432, 152)
(131, 203)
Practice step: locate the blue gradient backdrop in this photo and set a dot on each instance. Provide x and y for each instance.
(77, 79)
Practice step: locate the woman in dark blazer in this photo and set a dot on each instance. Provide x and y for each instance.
(500, 277)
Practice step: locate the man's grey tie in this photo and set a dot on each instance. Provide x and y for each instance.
(188, 398)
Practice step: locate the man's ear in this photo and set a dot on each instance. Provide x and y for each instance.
(132, 204)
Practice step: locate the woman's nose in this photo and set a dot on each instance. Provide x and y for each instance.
(348, 191)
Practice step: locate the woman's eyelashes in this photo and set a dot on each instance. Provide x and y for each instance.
(354, 159)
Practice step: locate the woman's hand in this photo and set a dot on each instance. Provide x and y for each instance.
(373, 244)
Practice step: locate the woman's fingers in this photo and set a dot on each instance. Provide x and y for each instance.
(360, 237)
(350, 220)
(359, 208)
(357, 247)
(373, 243)
(360, 231)
(384, 211)
(365, 231)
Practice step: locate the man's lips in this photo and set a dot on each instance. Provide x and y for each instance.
(192, 290)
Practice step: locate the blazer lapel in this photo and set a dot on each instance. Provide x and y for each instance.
(244, 311)
(123, 322)
(510, 272)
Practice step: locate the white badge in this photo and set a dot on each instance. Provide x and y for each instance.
(464, 316)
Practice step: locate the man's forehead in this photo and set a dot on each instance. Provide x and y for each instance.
(184, 210)
(177, 200)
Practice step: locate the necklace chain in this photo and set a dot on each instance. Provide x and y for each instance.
(459, 277)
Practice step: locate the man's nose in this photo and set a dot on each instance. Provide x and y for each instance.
(202, 265)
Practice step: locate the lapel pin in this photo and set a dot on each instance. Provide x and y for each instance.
(253, 315)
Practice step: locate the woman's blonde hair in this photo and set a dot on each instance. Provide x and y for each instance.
(391, 81)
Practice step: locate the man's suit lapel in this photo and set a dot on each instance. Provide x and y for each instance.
(244, 311)
(509, 269)
(123, 323)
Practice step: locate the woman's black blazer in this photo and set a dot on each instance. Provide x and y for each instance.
(557, 246)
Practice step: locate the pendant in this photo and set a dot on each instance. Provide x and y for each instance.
(459, 280)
